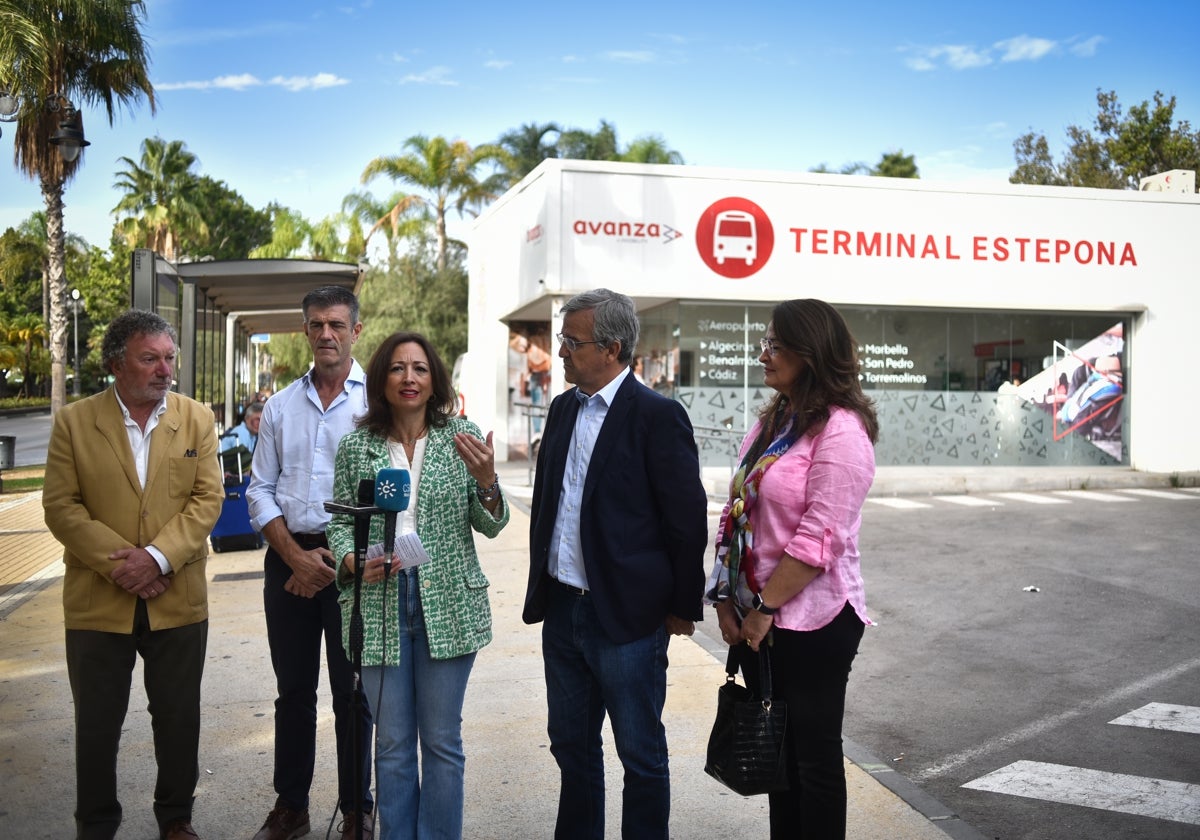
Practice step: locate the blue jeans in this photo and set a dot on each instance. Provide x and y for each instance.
(418, 701)
(587, 676)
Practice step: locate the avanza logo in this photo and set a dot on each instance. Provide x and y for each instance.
(626, 230)
(734, 237)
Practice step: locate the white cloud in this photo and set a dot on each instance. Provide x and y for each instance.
(317, 82)
(962, 58)
(1025, 48)
(497, 64)
(630, 56)
(244, 81)
(238, 82)
(571, 59)
(433, 76)
(1087, 47)
(954, 56)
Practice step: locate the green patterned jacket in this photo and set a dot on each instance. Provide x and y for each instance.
(453, 588)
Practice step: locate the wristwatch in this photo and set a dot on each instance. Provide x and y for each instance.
(757, 604)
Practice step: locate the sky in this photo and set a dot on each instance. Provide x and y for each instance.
(289, 101)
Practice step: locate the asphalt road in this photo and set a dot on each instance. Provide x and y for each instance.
(967, 673)
(32, 432)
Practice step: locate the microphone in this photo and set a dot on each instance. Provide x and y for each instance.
(393, 488)
(362, 510)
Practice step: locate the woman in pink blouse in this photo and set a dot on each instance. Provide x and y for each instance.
(787, 572)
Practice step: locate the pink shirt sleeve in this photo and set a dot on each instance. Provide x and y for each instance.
(810, 507)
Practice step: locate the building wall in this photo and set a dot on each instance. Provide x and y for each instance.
(892, 247)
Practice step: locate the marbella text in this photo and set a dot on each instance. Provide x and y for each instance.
(859, 243)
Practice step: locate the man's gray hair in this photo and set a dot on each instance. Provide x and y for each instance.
(323, 297)
(615, 319)
(255, 408)
(127, 325)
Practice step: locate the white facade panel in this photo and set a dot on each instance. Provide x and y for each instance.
(683, 233)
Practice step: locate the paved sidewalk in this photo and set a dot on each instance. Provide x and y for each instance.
(512, 780)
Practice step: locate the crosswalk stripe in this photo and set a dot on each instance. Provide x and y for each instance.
(896, 502)
(1092, 496)
(969, 501)
(1158, 494)
(1158, 798)
(1032, 499)
(1163, 716)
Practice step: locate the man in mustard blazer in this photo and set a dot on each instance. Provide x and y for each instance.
(132, 491)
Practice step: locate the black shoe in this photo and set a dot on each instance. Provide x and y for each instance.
(284, 824)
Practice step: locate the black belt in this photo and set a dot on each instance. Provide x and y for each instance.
(566, 587)
(310, 541)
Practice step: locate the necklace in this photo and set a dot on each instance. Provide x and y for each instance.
(413, 441)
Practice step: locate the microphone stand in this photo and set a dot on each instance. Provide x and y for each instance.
(362, 513)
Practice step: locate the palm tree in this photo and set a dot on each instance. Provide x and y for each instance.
(159, 201)
(585, 145)
(24, 333)
(393, 217)
(54, 54)
(650, 148)
(525, 148)
(35, 241)
(290, 234)
(447, 170)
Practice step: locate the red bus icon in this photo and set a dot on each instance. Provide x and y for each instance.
(734, 237)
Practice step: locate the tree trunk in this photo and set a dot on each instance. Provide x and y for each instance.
(52, 194)
(441, 242)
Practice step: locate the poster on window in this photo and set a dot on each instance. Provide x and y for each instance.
(1084, 390)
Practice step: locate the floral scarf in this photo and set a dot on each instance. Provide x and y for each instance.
(734, 573)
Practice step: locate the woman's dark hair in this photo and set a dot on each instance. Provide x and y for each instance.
(817, 333)
(440, 407)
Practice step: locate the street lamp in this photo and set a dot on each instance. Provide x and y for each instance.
(68, 138)
(75, 304)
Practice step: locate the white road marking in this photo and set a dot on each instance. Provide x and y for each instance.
(1037, 727)
(1158, 798)
(1092, 496)
(1163, 716)
(970, 501)
(1159, 494)
(1032, 499)
(895, 502)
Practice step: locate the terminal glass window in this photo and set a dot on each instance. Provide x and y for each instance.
(952, 387)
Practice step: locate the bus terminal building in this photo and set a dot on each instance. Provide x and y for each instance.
(1012, 326)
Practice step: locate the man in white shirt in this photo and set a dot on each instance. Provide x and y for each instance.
(292, 479)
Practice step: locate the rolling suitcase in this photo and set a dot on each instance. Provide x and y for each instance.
(233, 531)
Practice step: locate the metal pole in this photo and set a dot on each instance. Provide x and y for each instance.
(75, 310)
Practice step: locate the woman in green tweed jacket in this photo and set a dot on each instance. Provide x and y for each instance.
(422, 625)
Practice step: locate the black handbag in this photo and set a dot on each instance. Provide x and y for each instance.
(746, 746)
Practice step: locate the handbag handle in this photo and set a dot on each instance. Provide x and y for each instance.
(764, 670)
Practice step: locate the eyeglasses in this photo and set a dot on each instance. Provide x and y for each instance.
(573, 344)
(770, 346)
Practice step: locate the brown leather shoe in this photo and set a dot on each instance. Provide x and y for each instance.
(284, 824)
(179, 829)
(349, 824)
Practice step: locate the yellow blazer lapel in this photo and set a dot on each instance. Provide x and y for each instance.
(160, 443)
(110, 422)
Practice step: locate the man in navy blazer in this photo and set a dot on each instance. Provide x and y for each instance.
(618, 532)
